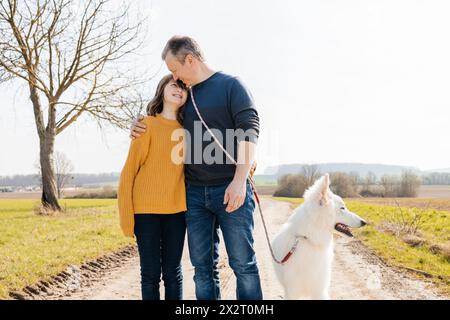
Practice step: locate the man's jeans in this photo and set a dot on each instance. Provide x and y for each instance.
(205, 214)
(160, 240)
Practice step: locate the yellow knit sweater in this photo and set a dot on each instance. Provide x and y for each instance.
(151, 182)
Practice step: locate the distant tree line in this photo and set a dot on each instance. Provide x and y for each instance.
(19, 180)
(436, 178)
(78, 180)
(351, 184)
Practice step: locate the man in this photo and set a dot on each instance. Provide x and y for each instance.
(217, 191)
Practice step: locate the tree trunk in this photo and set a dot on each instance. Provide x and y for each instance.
(49, 189)
(46, 147)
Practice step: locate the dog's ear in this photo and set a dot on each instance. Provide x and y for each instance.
(324, 188)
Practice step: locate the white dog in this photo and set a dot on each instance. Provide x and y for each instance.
(307, 268)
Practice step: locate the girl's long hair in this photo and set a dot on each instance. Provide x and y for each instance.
(155, 106)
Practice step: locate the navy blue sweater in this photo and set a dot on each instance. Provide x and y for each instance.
(224, 103)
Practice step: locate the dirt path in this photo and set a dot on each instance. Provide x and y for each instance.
(357, 273)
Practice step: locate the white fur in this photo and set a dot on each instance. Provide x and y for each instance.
(307, 274)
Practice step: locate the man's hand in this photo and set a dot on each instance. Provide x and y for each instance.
(137, 127)
(235, 195)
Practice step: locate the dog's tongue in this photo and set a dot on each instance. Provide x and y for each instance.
(342, 228)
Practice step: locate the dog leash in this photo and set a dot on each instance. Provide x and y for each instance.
(253, 186)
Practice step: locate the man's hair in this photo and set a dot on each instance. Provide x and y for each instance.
(181, 46)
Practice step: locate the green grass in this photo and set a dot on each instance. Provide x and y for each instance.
(435, 230)
(34, 247)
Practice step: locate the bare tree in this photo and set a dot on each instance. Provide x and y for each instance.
(64, 169)
(390, 184)
(294, 185)
(73, 57)
(343, 184)
(291, 185)
(311, 173)
(368, 182)
(409, 184)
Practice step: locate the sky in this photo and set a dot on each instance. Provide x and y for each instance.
(333, 81)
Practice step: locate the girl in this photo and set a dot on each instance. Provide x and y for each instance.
(151, 196)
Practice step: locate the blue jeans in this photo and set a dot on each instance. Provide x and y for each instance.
(160, 240)
(205, 214)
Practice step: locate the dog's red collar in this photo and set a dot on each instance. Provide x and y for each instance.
(294, 247)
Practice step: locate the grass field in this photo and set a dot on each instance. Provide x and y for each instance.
(35, 247)
(426, 250)
(421, 203)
